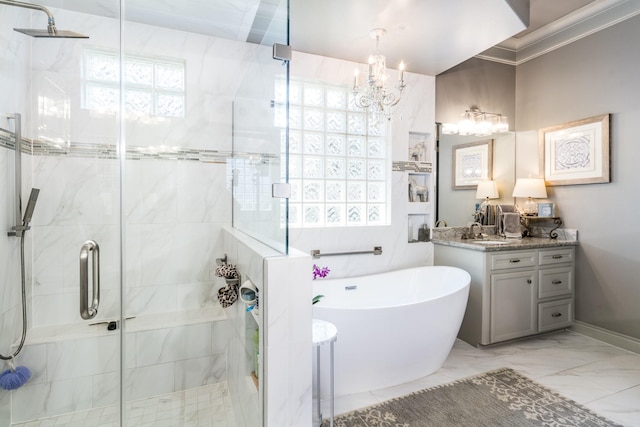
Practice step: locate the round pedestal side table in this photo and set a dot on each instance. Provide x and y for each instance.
(324, 333)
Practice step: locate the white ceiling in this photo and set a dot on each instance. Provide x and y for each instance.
(430, 36)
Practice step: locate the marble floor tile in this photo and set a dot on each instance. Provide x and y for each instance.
(623, 407)
(602, 377)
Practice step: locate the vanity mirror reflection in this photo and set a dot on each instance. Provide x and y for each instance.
(457, 206)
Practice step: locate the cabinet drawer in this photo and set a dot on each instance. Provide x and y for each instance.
(555, 314)
(501, 261)
(555, 256)
(553, 282)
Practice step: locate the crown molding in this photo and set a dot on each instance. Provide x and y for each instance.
(583, 22)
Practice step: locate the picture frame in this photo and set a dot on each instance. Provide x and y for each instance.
(576, 152)
(472, 163)
(546, 210)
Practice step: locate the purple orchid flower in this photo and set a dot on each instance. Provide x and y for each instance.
(320, 271)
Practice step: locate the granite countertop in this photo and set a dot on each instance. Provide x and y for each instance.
(508, 245)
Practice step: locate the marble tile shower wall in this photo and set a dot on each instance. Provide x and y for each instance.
(174, 210)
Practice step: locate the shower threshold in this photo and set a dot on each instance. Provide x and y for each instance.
(208, 405)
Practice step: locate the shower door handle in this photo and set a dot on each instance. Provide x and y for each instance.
(89, 247)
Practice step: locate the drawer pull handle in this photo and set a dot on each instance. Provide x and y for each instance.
(529, 281)
(556, 282)
(514, 260)
(556, 314)
(557, 257)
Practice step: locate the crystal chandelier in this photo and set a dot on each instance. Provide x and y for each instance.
(374, 96)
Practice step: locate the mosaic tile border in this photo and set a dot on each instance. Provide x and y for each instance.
(110, 151)
(411, 166)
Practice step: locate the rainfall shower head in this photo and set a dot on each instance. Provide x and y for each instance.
(51, 31)
(61, 34)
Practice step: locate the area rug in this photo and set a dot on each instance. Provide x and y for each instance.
(498, 398)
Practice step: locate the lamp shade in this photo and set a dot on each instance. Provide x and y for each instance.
(530, 187)
(487, 190)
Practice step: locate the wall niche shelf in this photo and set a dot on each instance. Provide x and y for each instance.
(416, 228)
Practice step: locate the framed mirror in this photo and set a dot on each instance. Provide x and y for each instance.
(456, 206)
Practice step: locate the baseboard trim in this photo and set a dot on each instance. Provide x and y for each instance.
(610, 337)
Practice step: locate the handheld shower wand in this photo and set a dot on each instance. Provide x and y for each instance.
(15, 377)
(18, 230)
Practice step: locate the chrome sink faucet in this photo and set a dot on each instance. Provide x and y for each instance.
(473, 235)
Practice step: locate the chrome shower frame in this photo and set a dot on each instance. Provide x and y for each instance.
(21, 222)
(18, 229)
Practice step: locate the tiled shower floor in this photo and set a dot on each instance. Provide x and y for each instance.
(207, 406)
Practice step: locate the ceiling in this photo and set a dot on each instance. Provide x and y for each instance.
(430, 36)
(543, 12)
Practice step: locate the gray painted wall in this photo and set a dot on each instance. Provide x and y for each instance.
(485, 84)
(595, 75)
(489, 86)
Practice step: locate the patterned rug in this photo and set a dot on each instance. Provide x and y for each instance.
(497, 398)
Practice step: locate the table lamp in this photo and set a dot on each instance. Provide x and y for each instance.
(531, 188)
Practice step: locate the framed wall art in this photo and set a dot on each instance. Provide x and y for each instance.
(472, 163)
(576, 152)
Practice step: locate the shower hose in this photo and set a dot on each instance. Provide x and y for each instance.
(24, 303)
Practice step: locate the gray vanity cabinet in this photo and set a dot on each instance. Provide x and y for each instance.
(513, 293)
(513, 308)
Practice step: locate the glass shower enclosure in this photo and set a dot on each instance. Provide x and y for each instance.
(138, 139)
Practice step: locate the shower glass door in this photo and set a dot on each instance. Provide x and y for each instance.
(260, 134)
(128, 136)
(183, 68)
(70, 135)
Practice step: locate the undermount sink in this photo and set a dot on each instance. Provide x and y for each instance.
(489, 242)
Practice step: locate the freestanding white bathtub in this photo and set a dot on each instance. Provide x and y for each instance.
(393, 327)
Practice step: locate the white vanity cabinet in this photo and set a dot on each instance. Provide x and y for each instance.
(514, 293)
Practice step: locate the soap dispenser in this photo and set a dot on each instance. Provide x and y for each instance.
(424, 233)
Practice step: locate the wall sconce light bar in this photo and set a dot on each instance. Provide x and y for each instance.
(477, 122)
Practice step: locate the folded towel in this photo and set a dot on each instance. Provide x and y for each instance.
(511, 225)
(507, 208)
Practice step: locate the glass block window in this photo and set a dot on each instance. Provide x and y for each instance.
(154, 87)
(338, 161)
